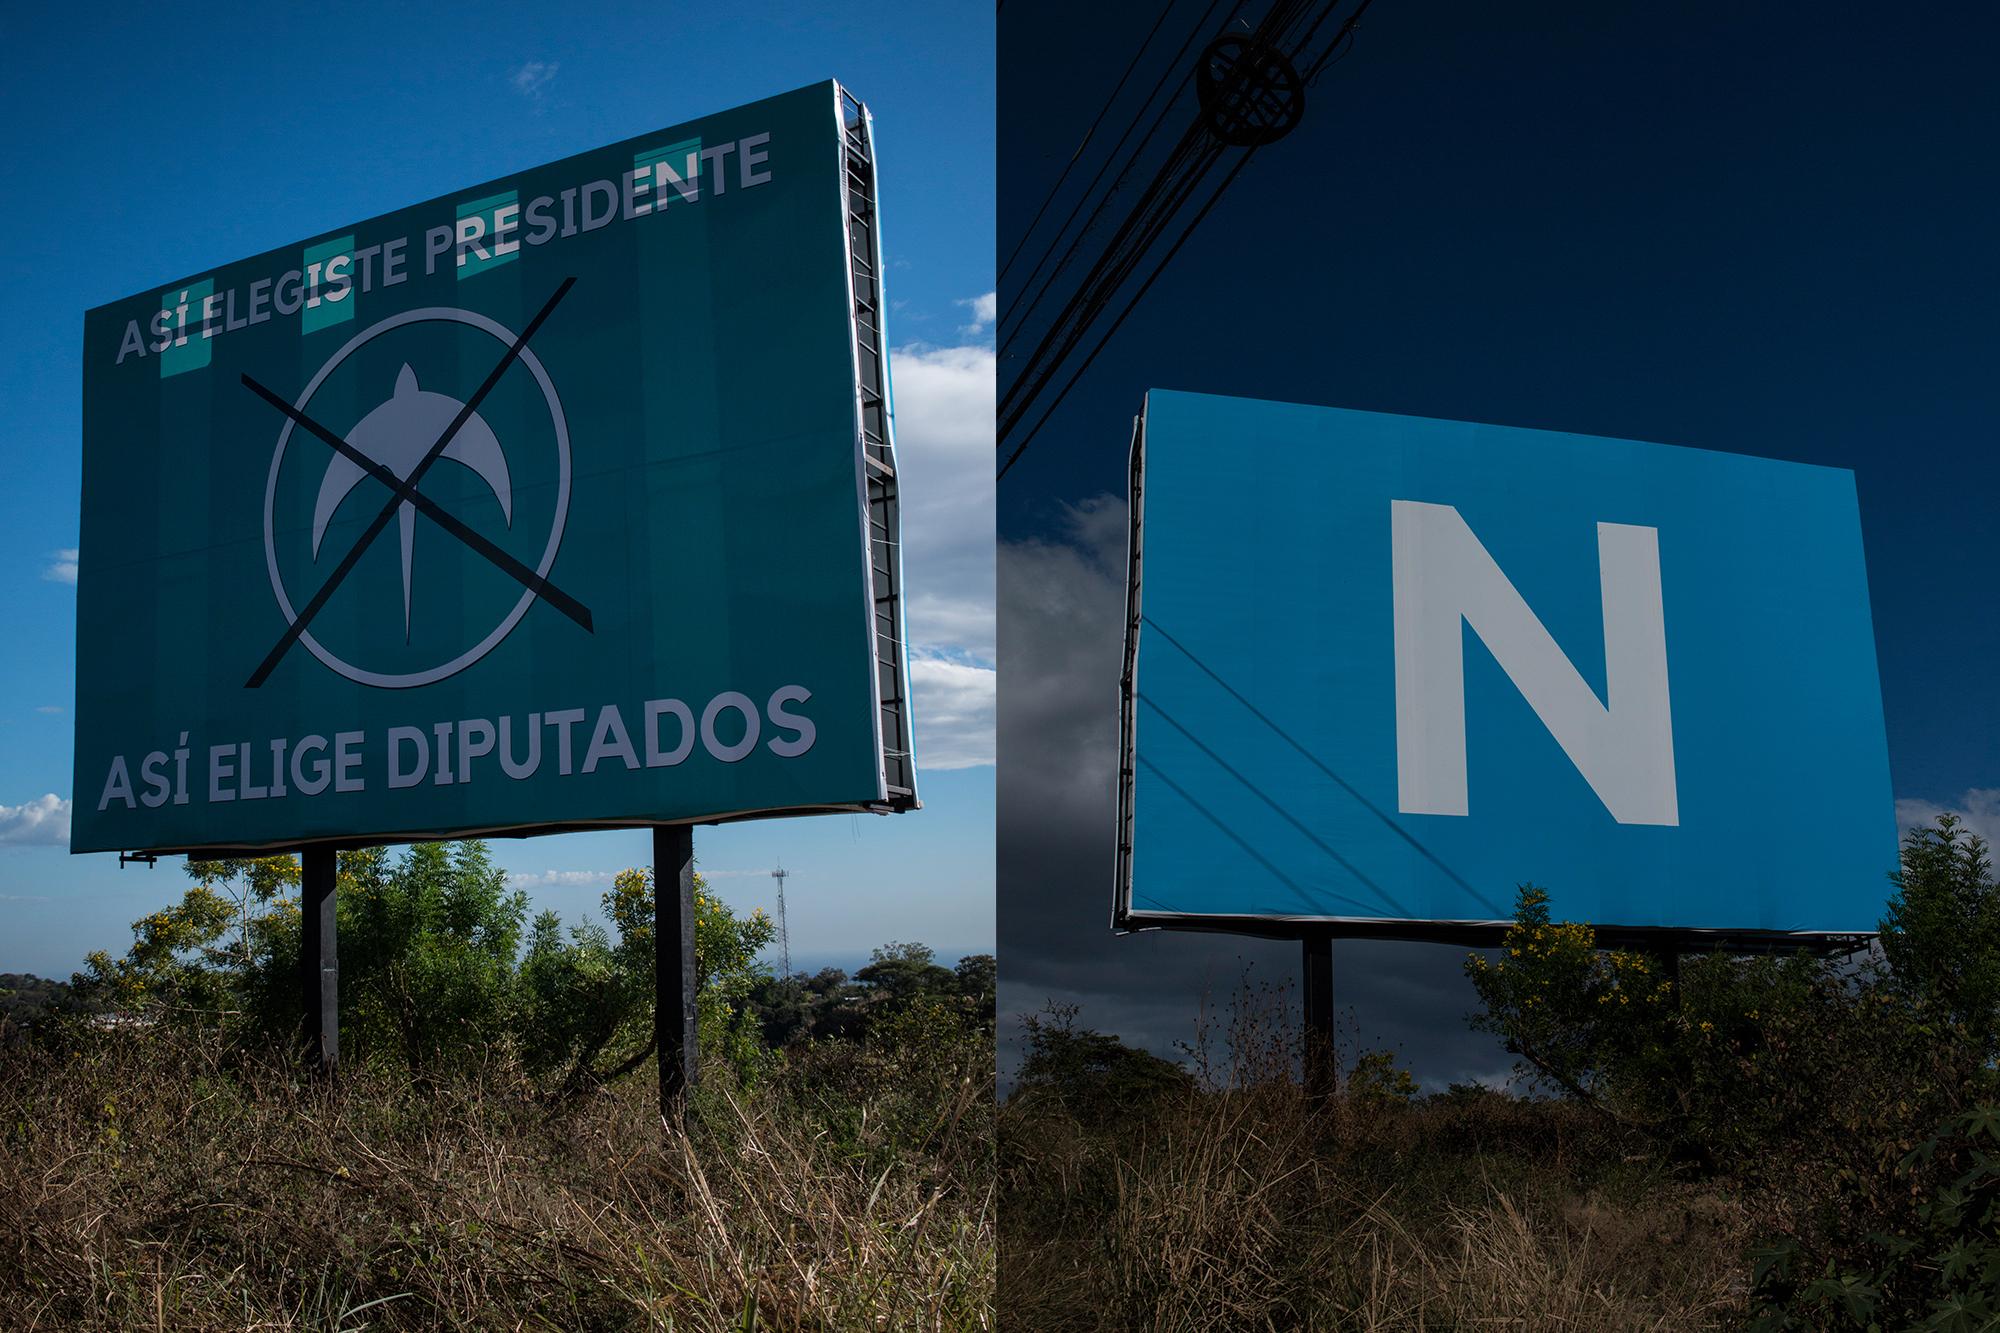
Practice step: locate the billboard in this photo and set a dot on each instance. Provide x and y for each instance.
(563, 500)
(1382, 670)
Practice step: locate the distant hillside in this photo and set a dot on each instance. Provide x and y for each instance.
(25, 999)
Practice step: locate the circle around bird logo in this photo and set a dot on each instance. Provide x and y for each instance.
(532, 364)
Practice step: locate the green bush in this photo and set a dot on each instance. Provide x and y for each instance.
(830, 1005)
(1092, 1076)
(1848, 1095)
(438, 965)
(1938, 1268)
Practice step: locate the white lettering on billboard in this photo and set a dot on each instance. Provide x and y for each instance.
(1623, 746)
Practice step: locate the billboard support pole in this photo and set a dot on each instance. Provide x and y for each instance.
(319, 960)
(674, 965)
(1320, 1063)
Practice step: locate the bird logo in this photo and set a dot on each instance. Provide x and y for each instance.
(388, 447)
(396, 435)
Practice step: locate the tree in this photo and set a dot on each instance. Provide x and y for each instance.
(590, 998)
(1942, 932)
(978, 989)
(187, 960)
(799, 1008)
(1738, 1055)
(897, 980)
(901, 972)
(1377, 1080)
(439, 965)
(1094, 1076)
(1748, 1053)
(428, 944)
(1573, 1012)
(1858, 1097)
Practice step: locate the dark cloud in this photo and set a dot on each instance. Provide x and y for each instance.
(1061, 627)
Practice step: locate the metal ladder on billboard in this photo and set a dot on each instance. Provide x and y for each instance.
(871, 361)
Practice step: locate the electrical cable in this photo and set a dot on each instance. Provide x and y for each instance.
(1130, 306)
(1111, 268)
(1084, 143)
(1015, 317)
(1092, 285)
(1167, 193)
(1276, 19)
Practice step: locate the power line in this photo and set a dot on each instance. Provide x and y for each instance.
(1017, 318)
(1132, 305)
(1141, 227)
(1117, 261)
(1092, 288)
(1084, 143)
(1257, 97)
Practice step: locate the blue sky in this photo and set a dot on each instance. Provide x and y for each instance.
(153, 144)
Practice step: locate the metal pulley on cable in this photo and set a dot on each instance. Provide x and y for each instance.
(1250, 93)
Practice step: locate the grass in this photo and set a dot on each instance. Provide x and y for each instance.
(1232, 1201)
(158, 1179)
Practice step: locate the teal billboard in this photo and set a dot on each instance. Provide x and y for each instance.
(563, 500)
(1382, 670)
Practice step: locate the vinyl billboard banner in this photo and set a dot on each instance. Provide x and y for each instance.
(562, 500)
(1382, 670)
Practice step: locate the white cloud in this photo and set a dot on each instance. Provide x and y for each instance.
(985, 309)
(43, 822)
(561, 879)
(1978, 810)
(1064, 609)
(946, 395)
(530, 79)
(954, 710)
(48, 710)
(596, 879)
(61, 567)
(944, 448)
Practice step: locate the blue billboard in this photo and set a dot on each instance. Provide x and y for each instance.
(1382, 670)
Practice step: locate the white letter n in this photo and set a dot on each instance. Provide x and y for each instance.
(1624, 747)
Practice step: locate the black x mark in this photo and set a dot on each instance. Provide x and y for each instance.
(405, 490)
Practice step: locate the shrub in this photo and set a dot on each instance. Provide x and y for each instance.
(1936, 1268)
(1092, 1076)
(1847, 1095)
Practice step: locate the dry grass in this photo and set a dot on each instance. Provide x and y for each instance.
(155, 1180)
(1493, 1265)
(1249, 1210)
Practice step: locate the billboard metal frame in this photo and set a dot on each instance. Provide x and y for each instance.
(874, 424)
(1125, 919)
(878, 509)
